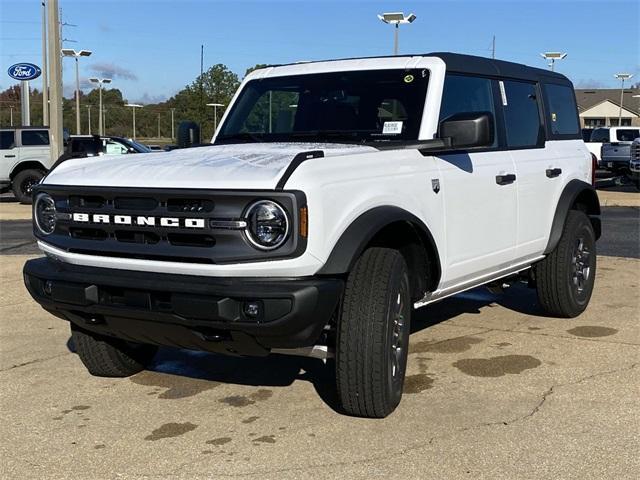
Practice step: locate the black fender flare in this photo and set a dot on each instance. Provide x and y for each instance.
(575, 190)
(362, 230)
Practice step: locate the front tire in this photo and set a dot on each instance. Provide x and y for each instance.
(373, 334)
(565, 278)
(110, 357)
(23, 183)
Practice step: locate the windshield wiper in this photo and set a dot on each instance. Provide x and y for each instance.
(243, 136)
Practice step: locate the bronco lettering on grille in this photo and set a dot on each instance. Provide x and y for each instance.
(141, 221)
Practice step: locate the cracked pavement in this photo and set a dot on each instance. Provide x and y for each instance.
(494, 390)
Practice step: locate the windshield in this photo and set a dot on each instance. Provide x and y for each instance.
(362, 107)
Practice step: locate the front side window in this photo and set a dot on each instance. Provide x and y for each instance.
(7, 140)
(563, 113)
(600, 135)
(463, 94)
(360, 106)
(35, 138)
(521, 114)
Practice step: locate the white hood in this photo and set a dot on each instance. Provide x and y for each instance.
(241, 166)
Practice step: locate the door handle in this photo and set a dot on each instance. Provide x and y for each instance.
(9, 156)
(553, 172)
(505, 179)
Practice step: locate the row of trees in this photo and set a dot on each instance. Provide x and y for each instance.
(216, 85)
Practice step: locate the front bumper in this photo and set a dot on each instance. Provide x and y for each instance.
(193, 312)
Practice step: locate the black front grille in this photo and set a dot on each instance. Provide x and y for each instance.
(167, 225)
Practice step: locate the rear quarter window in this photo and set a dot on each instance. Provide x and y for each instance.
(7, 140)
(562, 112)
(627, 135)
(35, 138)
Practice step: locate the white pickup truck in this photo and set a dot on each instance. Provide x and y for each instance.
(602, 135)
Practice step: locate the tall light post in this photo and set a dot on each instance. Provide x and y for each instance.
(70, 52)
(133, 109)
(45, 74)
(100, 82)
(215, 114)
(622, 77)
(551, 57)
(173, 132)
(89, 117)
(395, 19)
(55, 80)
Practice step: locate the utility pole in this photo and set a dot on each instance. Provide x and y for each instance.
(493, 48)
(11, 115)
(173, 131)
(158, 125)
(89, 117)
(104, 121)
(55, 77)
(201, 105)
(45, 74)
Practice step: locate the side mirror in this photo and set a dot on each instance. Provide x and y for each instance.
(466, 130)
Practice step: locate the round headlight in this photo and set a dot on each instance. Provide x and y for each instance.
(267, 225)
(44, 213)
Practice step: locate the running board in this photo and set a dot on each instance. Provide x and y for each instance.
(321, 352)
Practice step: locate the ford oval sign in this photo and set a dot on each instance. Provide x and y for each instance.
(24, 71)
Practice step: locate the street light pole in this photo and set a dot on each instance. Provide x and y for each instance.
(55, 78)
(622, 77)
(89, 117)
(69, 52)
(133, 109)
(215, 115)
(173, 133)
(45, 74)
(395, 19)
(100, 82)
(552, 57)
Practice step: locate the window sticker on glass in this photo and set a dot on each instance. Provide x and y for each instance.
(503, 93)
(392, 128)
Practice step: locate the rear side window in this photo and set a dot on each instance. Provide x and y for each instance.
(521, 114)
(600, 135)
(7, 140)
(627, 134)
(463, 94)
(35, 138)
(563, 113)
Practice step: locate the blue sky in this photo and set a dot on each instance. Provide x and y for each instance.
(152, 47)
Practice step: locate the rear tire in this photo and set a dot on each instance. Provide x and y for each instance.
(110, 357)
(373, 334)
(565, 278)
(23, 183)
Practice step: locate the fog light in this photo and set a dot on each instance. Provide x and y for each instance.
(47, 287)
(251, 309)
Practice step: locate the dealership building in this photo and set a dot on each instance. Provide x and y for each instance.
(601, 107)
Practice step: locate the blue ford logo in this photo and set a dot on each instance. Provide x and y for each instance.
(24, 71)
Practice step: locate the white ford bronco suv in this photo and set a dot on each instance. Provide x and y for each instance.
(25, 157)
(337, 197)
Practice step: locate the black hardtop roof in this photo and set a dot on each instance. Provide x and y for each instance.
(471, 64)
(457, 62)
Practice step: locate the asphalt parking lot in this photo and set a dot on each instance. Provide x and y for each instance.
(494, 390)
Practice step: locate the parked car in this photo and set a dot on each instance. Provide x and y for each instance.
(93, 145)
(634, 163)
(25, 157)
(601, 135)
(338, 197)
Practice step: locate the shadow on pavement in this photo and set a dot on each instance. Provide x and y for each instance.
(283, 370)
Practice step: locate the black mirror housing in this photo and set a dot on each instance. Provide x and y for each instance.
(467, 130)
